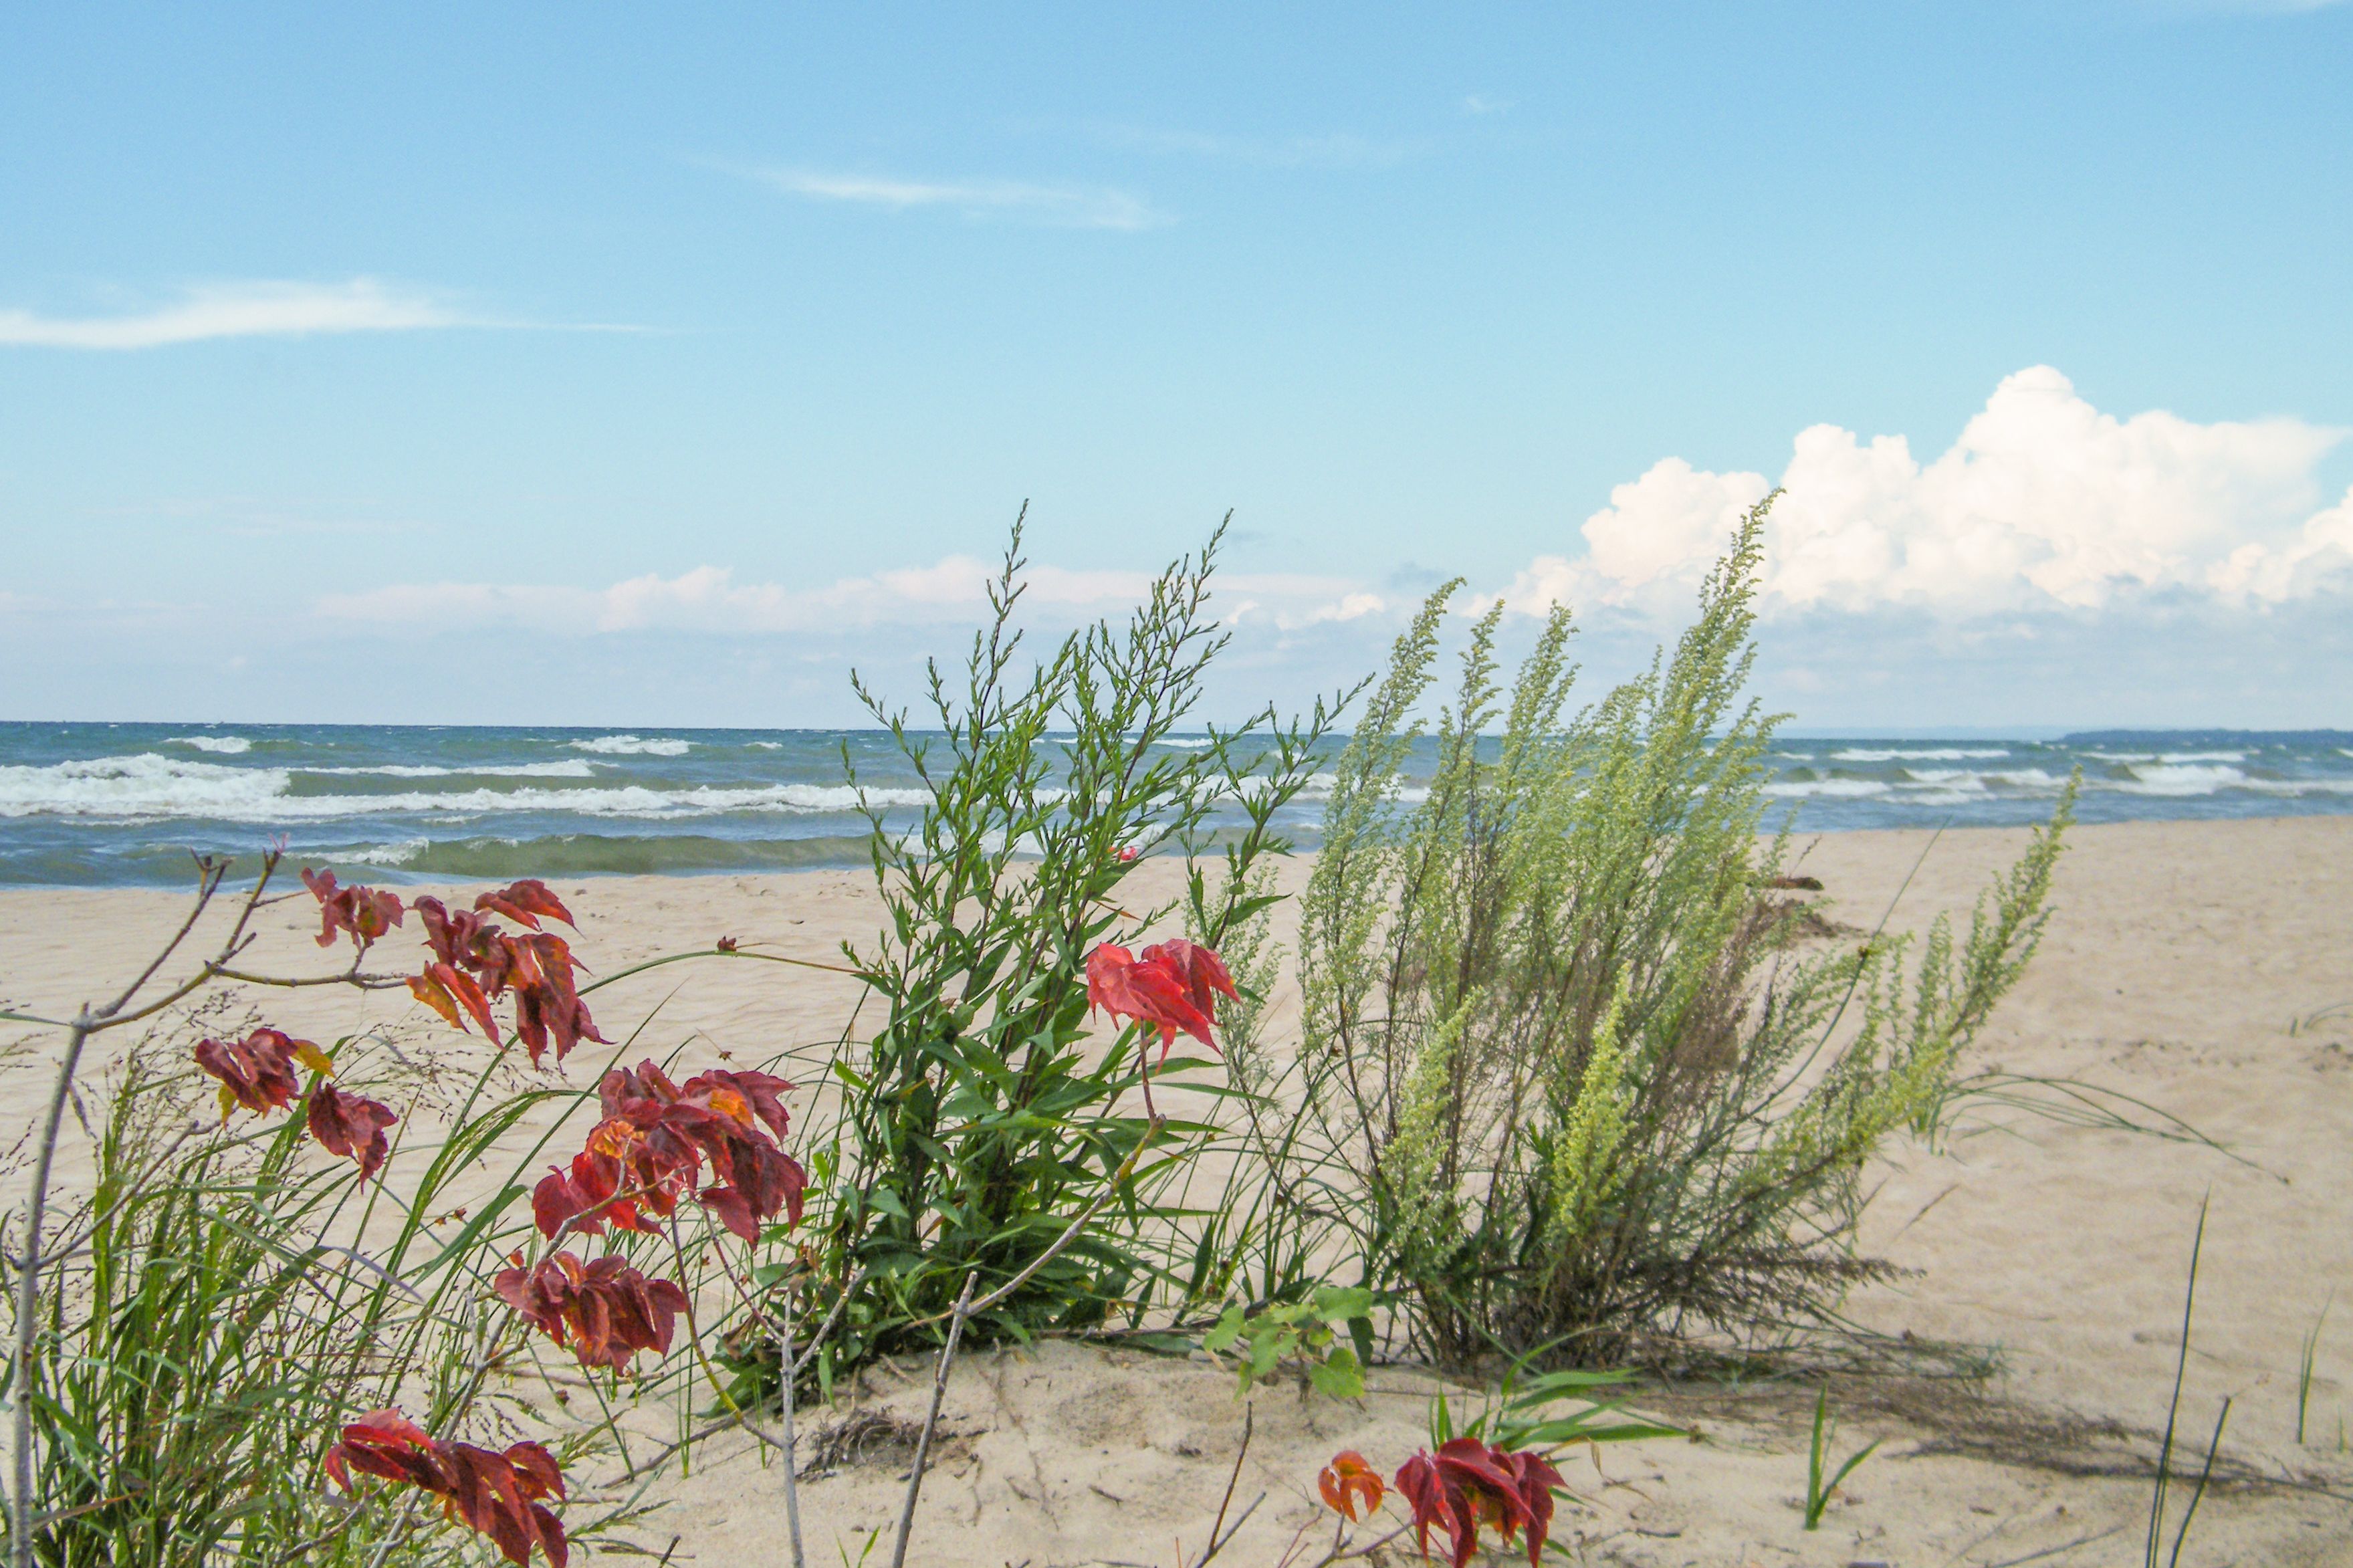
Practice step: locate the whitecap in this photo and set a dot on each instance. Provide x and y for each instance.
(225, 745)
(2181, 778)
(2202, 757)
(1838, 788)
(2299, 786)
(383, 854)
(1928, 754)
(142, 785)
(632, 746)
(570, 768)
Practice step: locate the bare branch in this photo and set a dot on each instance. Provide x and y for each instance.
(932, 1417)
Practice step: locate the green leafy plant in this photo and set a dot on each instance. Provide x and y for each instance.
(1316, 1341)
(1568, 1080)
(982, 1115)
(1819, 1489)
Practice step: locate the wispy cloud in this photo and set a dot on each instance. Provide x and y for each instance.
(266, 308)
(2243, 7)
(1481, 104)
(709, 599)
(241, 310)
(1327, 149)
(1060, 206)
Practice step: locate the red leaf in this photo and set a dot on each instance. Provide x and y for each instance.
(388, 1444)
(351, 1126)
(257, 1072)
(365, 912)
(452, 993)
(465, 940)
(762, 1092)
(583, 1200)
(1201, 973)
(547, 1008)
(495, 1493)
(715, 1117)
(1347, 1480)
(525, 901)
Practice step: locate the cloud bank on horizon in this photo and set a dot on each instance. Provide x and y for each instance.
(2043, 504)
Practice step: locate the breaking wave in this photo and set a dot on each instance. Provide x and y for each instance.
(147, 786)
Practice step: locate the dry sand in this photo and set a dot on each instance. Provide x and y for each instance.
(2179, 957)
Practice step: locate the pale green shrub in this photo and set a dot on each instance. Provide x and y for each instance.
(1560, 1044)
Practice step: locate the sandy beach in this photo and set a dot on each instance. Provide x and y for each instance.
(2179, 969)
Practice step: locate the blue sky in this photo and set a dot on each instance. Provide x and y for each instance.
(515, 363)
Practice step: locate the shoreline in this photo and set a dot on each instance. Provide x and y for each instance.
(857, 866)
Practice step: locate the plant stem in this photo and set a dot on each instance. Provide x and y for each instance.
(930, 1419)
(792, 1458)
(29, 1297)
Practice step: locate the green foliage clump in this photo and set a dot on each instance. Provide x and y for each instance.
(1302, 1337)
(1558, 1035)
(978, 1122)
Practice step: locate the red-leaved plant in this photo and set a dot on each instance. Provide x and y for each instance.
(653, 1147)
(1462, 1486)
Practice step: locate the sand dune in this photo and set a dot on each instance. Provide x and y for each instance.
(2181, 956)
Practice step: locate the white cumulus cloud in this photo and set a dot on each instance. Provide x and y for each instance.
(2043, 502)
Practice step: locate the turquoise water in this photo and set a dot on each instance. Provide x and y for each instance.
(124, 803)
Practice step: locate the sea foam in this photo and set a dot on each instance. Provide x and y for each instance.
(633, 746)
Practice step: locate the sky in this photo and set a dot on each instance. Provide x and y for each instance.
(592, 365)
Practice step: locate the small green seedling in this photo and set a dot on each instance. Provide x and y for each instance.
(2304, 1367)
(1817, 1494)
(1527, 1410)
(1315, 1340)
(2309, 1022)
